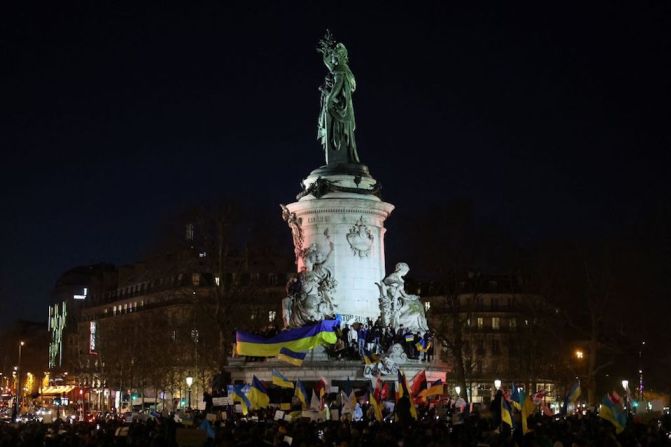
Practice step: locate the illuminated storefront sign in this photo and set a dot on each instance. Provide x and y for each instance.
(56, 324)
(92, 338)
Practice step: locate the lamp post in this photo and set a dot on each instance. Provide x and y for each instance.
(458, 390)
(18, 381)
(189, 382)
(497, 384)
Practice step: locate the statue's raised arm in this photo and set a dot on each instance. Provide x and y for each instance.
(336, 123)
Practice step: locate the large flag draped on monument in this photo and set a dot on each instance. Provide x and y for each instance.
(291, 357)
(299, 339)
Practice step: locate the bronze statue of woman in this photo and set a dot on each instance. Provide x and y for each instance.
(336, 119)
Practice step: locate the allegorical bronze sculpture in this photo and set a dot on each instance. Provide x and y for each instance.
(336, 120)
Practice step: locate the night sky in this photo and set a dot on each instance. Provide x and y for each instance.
(554, 121)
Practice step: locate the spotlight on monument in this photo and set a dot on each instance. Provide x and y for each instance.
(497, 384)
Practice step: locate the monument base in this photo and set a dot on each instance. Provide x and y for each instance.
(336, 372)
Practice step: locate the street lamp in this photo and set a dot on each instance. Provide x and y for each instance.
(189, 382)
(579, 354)
(18, 382)
(625, 385)
(458, 390)
(497, 384)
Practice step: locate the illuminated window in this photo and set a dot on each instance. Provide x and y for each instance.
(427, 305)
(216, 280)
(496, 322)
(195, 279)
(481, 322)
(114, 310)
(271, 315)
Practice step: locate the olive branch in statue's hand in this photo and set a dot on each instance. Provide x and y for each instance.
(327, 43)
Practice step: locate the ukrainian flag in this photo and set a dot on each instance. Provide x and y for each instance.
(375, 405)
(280, 380)
(571, 397)
(613, 413)
(258, 395)
(291, 357)
(506, 412)
(403, 391)
(409, 337)
(436, 389)
(236, 392)
(299, 339)
(527, 409)
(301, 394)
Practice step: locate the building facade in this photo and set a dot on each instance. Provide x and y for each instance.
(493, 327)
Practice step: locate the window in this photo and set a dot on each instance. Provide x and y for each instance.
(217, 280)
(496, 322)
(195, 279)
(189, 232)
(271, 315)
(427, 305)
(496, 348)
(513, 323)
(114, 310)
(481, 322)
(468, 322)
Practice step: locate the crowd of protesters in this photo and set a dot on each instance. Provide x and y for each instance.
(359, 340)
(434, 428)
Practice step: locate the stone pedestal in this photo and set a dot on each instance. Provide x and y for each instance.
(341, 207)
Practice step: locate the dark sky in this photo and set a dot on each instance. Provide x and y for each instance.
(553, 120)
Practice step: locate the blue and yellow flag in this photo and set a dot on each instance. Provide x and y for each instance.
(435, 389)
(280, 380)
(258, 395)
(613, 413)
(506, 412)
(291, 357)
(571, 397)
(298, 339)
(409, 337)
(402, 390)
(527, 408)
(375, 405)
(301, 394)
(237, 393)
